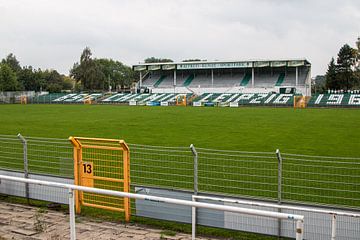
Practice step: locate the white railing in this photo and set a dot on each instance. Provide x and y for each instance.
(332, 212)
(298, 218)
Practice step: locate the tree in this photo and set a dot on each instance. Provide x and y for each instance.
(118, 75)
(157, 60)
(342, 74)
(331, 76)
(8, 81)
(68, 83)
(345, 63)
(357, 67)
(27, 79)
(53, 81)
(88, 72)
(12, 62)
(192, 60)
(319, 84)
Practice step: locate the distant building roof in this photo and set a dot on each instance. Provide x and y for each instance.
(221, 64)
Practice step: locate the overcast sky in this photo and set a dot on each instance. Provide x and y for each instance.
(53, 33)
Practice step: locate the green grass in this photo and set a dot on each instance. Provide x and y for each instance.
(330, 132)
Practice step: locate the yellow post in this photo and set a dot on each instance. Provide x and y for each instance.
(77, 156)
(126, 160)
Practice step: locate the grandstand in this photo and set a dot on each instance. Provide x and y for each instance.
(202, 83)
(262, 76)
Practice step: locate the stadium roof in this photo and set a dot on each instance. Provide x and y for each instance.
(221, 64)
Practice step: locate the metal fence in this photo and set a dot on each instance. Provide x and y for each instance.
(280, 177)
(179, 172)
(166, 167)
(252, 174)
(321, 180)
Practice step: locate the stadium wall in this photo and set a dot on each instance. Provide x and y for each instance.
(203, 97)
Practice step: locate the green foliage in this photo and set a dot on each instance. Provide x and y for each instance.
(68, 83)
(54, 81)
(14, 78)
(39, 224)
(342, 74)
(12, 62)
(345, 62)
(157, 60)
(118, 75)
(97, 74)
(88, 72)
(319, 84)
(8, 80)
(168, 233)
(332, 77)
(28, 79)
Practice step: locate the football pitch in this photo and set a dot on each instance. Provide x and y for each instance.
(319, 132)
(328, 132)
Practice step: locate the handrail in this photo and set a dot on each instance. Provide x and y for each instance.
(281, 206)
(71, 187)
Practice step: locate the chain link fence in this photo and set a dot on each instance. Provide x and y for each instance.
(165, 167)
(321, 180)
(251, 174)
(284, 177)
(11, 153)
(50, 156)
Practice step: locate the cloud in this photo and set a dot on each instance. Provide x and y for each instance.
(52, 34)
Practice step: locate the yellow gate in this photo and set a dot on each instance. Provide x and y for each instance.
(102, 163)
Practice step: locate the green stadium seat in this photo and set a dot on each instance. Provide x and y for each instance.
(158, 82)
(280, 79)
(189, 80)
(246, 79)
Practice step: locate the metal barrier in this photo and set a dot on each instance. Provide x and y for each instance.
(298, 218)
(321, 180)
(102, 163)
(272, 176)
(333, 213)
(168, 167)
(281, 177)
(238, 173)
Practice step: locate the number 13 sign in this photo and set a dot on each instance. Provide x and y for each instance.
(87, 174)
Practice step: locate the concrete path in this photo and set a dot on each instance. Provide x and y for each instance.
(31, 223)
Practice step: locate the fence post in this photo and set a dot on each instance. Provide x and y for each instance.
(279, 197)
(333, 227)
(196, 190)
(299, 230)
(193, 219)
(72, 214)
(195, 154)
(26, 165)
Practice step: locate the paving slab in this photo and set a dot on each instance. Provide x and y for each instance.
(31, 223)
